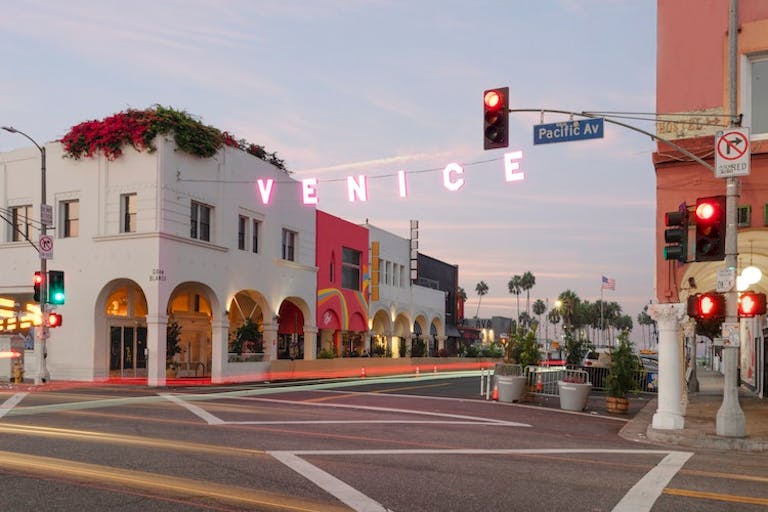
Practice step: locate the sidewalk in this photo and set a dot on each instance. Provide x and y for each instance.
(699, 430)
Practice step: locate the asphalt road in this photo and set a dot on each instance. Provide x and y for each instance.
(418, 443)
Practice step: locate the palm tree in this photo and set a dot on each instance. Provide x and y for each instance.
(569, 305)
(554, 318)
(481, 289)
(527, 281)
(516, 288)
(539, 308)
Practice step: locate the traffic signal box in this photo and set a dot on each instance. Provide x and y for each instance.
(711, 305)
(751, 304)
(37, 283)
(496, 118)
(676, 235)
(56, 287)
(706, 306)
(710, 228)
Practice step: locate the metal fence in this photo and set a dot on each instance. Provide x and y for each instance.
(543, 380)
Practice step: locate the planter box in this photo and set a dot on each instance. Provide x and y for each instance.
(573, 395)
(511, 389)
(254, 357)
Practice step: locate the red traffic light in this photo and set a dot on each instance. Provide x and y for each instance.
(751, 304)
(38, 280)
(496, 118)
(493, 99)
(54, 320)
(706, 306)
(710, 228)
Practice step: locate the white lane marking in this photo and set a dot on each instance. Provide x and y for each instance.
(387, 409)
(343, 492)
(640, 498)
(373, 422)
(9, 404)
(647, 490)
(198, 411)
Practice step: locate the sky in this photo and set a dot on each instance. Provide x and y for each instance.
(369, 87)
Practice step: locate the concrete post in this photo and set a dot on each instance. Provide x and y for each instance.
(730, 420)
(219, 349)
(669, 412)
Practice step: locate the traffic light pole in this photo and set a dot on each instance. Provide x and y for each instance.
(42, 370)
(730, 420)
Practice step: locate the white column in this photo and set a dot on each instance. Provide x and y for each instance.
(219, 349)
(310, 342)
(156, 334)
(669, 412)
(270, 341)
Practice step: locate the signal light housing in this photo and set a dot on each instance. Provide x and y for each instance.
(707, 306)
(751, 304)
(676, 235)
(710, 228)
(37, 283)
(496, 118)
(56, 287)
(54, 320)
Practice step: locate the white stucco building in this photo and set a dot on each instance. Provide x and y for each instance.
(400, 311)
(152, 238)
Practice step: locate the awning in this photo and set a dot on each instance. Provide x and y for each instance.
(451, 331)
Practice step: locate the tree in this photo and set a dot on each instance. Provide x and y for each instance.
(569, 304)
(516, 288)
(172, 341)
(554, 317)
(539, 308)
(527, 282)
(481, 289)
(462, 294)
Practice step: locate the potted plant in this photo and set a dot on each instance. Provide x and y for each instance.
(247, 339)
(574, 389)
(621, 378)
(172, 347)
(522, 351)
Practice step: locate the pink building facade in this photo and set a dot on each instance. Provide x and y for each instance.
(342, 287)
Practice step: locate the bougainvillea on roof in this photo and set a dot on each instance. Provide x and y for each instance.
(138, 128)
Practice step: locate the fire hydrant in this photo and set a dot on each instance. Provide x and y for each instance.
(18, 372)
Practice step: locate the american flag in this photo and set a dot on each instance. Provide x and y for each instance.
(608, 283)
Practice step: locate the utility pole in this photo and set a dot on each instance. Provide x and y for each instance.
(730, 420)
(42, 370)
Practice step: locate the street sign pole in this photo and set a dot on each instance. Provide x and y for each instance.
(730, 420)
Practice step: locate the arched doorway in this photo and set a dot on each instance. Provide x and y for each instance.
(190, 308)
(290, 331)
(125, 311)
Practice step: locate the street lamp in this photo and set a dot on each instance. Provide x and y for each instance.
(42, 370)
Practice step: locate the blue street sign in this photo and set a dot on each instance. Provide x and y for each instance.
(568, 130)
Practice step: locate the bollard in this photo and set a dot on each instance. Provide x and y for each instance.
(434, 369)
(362, 372)
(482, 381)
(417, 370)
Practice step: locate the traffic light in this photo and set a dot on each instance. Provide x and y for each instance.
(706, 306)
(54, 320)
(496, 118)
(676, 235)
(710, 228)
(37, 282)
(56, 287)
(751, 304)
